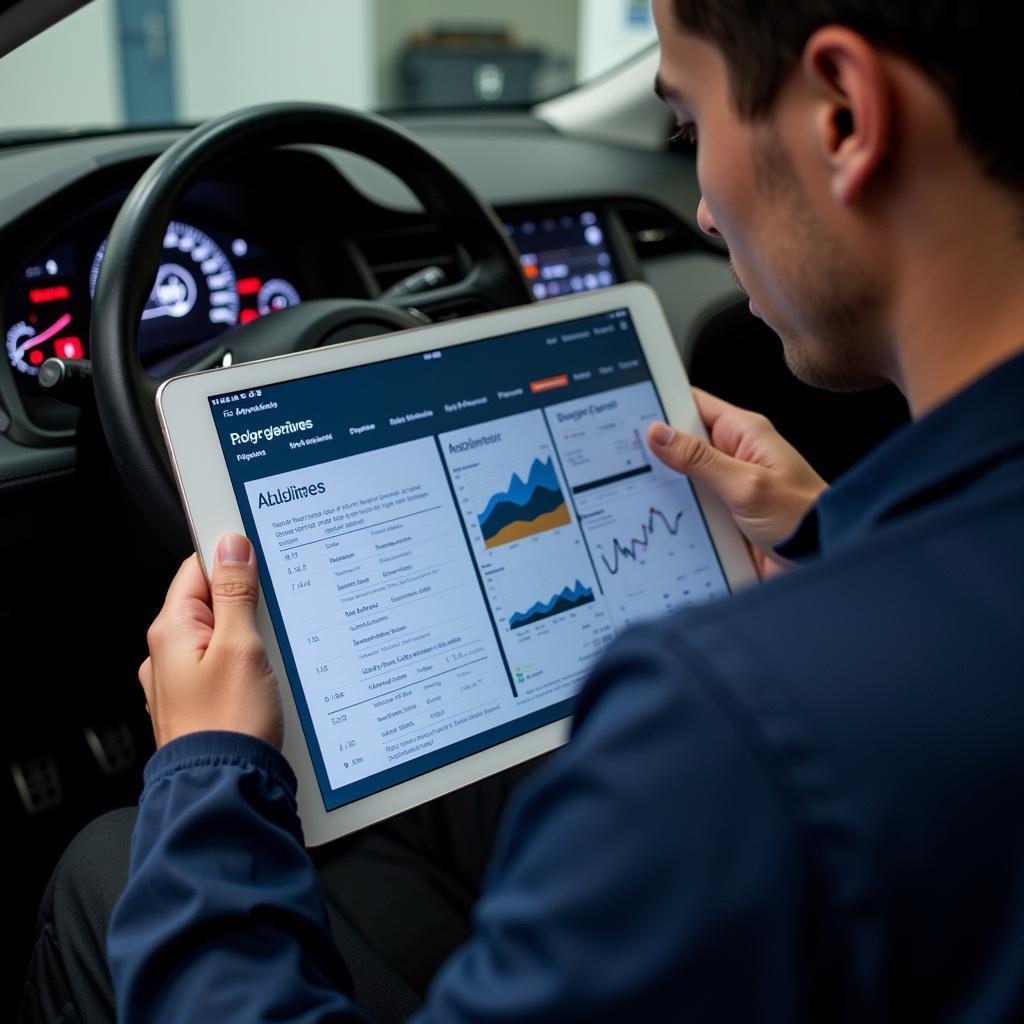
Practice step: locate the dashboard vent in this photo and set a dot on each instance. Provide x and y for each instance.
(394, 253)
(652, 230)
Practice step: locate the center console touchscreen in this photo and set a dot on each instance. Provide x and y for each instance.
(447, 541)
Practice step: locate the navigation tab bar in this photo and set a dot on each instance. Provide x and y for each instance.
(406, 398)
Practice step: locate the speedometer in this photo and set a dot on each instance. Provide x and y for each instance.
(195, 283)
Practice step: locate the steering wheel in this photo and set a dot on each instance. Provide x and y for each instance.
(125, 392)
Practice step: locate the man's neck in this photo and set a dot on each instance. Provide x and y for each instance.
(960, 305)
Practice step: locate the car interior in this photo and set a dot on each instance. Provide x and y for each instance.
(492, 161)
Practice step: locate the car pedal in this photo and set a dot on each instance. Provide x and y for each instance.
(38, 783)
(112, 746)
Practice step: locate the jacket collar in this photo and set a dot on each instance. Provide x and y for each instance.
(921, 462)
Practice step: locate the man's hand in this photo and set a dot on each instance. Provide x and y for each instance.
(764, 481)
(207, 666)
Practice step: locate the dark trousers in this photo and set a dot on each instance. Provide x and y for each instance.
(398, 895)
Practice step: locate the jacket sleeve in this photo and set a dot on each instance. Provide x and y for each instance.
(222, 918)
(648, 871)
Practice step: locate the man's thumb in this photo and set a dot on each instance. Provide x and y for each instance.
(694, 457)
(234, 586)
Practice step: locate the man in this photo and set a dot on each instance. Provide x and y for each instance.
(799, 804)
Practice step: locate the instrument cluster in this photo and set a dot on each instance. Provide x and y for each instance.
(209, 280)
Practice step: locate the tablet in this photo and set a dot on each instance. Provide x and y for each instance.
(451, 524)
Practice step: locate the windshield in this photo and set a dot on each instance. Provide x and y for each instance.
(118, 63)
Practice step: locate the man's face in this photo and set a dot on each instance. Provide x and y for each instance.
(775, 217)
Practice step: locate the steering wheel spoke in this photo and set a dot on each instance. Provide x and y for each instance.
(474, 293)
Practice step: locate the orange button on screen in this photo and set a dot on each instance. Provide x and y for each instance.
(549, 383)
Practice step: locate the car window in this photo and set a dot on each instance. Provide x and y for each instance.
(135, 62)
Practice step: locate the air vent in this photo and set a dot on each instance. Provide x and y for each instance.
(652, 230)
(392, 254)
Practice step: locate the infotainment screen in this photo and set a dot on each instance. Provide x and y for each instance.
(564, 254)
(448, 540)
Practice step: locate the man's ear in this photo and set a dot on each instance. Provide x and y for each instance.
(853, 119)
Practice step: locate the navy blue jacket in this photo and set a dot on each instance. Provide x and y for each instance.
(803, 803)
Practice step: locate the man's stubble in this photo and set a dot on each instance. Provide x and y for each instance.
(835, 300)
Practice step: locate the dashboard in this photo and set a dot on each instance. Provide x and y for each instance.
(227, 273)
(303, 223)
(257, 241)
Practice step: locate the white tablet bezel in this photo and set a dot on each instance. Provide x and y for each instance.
(209, 501)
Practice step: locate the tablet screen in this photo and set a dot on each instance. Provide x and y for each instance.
(448, 540)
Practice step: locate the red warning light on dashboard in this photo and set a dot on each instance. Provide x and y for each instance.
(52, 294)
(249, 285)
(549, 383)
(35, 357)
(248, 315)
(69, 348)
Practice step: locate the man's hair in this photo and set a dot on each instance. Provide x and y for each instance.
(969, 48)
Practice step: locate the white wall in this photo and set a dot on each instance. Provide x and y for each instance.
(70, 75)
(230, 55)
(606, 36)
